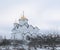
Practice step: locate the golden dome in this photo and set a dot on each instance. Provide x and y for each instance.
(23, 17)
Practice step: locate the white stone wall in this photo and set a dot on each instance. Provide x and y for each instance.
(23, 29)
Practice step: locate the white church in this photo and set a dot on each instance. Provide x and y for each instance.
(23, 29)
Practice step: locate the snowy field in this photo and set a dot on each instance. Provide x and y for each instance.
(26, 48)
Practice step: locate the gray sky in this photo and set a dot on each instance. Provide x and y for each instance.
(44, 14)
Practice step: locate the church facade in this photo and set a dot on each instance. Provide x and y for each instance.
(23, 29)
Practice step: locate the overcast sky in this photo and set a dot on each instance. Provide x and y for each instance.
(44, 14)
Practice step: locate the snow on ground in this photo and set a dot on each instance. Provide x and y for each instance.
(26, 47)
(41, 49)
(58, 48)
